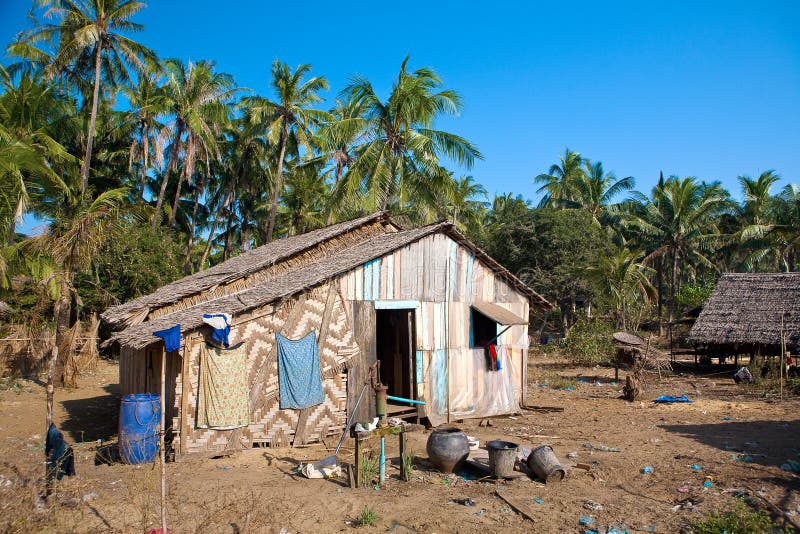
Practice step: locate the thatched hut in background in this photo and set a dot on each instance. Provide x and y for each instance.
(748, 313)
(419, 301)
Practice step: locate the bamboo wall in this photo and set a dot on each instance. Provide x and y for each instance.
(440, 279)
(320, 309)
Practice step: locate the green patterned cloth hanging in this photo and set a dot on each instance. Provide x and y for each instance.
(223, 399)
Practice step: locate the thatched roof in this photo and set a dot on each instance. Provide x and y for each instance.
(747, 309)
(294, 281)
(628, 339)
(235, 268)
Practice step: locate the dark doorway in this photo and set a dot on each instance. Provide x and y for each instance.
(394, 335)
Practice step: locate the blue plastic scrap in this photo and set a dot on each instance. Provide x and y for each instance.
(669, 399)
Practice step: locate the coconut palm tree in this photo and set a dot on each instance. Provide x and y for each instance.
(624, 281)
(337, 139)
(594, 191)
(307, 190)
(148, 103)
(467, 203)
(197, 97)
(402, 152)
(71, 242)
(787, 230)
(30, 157)
(90, 32)
(558, 184)
(679, 223)
(290, 120)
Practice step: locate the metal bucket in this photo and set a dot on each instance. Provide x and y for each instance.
(543, 463)
(502, 457)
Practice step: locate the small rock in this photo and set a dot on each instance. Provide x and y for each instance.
(89, 497)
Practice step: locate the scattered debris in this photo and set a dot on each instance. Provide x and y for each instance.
(646, 470)
(669, 399)
(591, 505)
(792, 466)
(601, 447)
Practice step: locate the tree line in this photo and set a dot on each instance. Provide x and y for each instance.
(145, 168)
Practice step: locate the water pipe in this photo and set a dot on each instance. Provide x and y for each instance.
(382, 460)
(401, 399)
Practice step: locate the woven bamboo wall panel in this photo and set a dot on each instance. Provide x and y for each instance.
(269, 424)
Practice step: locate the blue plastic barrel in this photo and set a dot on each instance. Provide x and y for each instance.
(139, 425)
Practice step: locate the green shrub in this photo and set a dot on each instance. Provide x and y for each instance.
(590, 342)
(740, 520)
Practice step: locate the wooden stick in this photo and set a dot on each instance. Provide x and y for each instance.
(161, 445)
(516, 505)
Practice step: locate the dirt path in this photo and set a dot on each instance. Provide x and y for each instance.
(259, 490)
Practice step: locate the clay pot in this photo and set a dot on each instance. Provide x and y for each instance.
(447, 448)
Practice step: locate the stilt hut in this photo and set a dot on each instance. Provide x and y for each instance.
(748, 313)
(424, 302)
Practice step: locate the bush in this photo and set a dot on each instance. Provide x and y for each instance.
(590, 342)
(740, 520)
(137, 261)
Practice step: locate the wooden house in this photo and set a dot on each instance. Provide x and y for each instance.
(422, 301)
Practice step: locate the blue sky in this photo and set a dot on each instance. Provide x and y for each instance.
(707, 89)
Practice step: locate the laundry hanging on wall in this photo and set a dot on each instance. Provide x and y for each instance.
(171, 337)
(221, 326)
(299, 377)
(223, 399)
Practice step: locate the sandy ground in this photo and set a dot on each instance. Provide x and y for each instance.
(259, 490)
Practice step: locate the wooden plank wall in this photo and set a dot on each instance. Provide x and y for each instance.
(443, 278)
(362, 315)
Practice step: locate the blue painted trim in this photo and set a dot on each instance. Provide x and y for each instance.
(372, 279)
(418, 365)
(396, 304)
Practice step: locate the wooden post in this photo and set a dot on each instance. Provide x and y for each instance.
(358, 462)
(783, 353)
(161, 444)
(447, 331)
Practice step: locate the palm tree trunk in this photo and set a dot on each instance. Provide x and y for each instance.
(226, 249)
(339, 169)
(173, 164)
(187, 263)
(245, 231)
(62, 314)
(673, 286)
(145, 149)
(92, 120)
(186, 175)
(273, 210)
(214, 225)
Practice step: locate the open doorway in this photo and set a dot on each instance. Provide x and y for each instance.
(394, 337)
